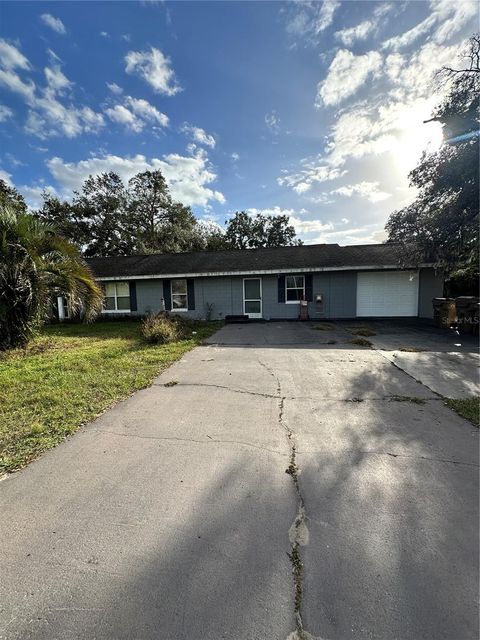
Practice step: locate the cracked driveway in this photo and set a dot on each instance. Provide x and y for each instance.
(172, 516)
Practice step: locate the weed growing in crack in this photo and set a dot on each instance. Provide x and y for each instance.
(171, 383)
(366, 332)
(324, 326)
(361, 342)
(407, 399)
(297, 570)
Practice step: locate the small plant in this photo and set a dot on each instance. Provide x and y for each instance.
(208, 311)
(324, 326)
(361, 342)
(160, 329)
(170, 383)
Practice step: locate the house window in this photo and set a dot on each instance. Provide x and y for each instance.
(66, 308)
(294, 288)
(179, 295)
(117, 296)
(63, 308)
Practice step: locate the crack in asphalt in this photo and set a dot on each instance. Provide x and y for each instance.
(298, 533)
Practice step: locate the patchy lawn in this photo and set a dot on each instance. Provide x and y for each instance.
(69, 375)
(468, 408)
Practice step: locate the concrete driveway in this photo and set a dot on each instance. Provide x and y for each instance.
(172, 515)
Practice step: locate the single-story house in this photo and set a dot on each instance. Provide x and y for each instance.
(336, 282)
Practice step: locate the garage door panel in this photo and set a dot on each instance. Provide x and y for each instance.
(387, 293)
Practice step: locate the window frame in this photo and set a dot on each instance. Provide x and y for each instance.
(287, 288)
(116, 296)
(172, 295)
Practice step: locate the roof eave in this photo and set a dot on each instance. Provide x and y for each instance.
(254, 272)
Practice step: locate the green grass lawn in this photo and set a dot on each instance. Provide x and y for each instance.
(468, 408)
(70, 374)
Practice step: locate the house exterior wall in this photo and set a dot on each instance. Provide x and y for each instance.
(430, 286)
(149, 296)
(225, 293)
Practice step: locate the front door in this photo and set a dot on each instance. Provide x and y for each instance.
(252, 297)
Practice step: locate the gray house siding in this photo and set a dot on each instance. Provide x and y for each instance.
(430, 286)
(339, 291)
(149, 296)
(225, 293)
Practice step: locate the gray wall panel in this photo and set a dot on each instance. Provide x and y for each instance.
(430, 286)
(149, 296)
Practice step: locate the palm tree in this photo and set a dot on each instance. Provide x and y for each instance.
(35, 266)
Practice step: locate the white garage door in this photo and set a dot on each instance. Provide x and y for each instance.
(387, 293)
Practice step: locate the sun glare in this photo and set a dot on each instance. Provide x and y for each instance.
(416, 137)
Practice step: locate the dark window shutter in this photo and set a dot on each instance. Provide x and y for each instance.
(309, 287)
(191, 294)
(167, 294)
(133, 295)
(281, 288)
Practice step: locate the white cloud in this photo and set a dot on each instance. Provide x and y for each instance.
(273, 122)
(6, 177)
(104, 34)
(5, 113)
(368, 190)
(301, 225)
(54, 23)
(366, 28)
(143, 109)
(367, 234)
(308, 20)
(33, 194)
(114, 88)
(200, 136)
(235, 156)
(135, 113)
(359, 32)
(447, 18)
(155, 68)
(311, 173)
(47, 116)
(56, 79)
(122, 115)
(13, 82)
(11, 57)
(188, 176)
(346, 74)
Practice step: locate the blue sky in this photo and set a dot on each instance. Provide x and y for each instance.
(311, 109)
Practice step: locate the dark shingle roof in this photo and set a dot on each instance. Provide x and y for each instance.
(295, 258)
